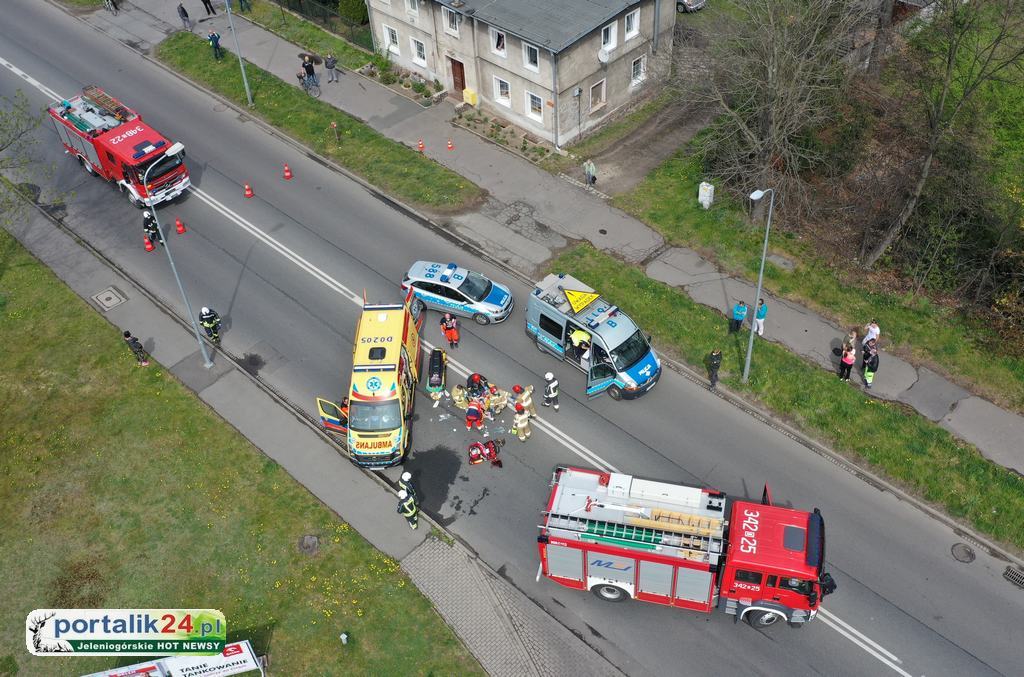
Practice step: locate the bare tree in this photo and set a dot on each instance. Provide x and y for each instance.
(967, 44)
(775, 72)
(881, 41)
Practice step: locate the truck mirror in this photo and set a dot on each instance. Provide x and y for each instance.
(828, 584)
(813, 597)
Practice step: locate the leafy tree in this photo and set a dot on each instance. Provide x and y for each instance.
(18, 122)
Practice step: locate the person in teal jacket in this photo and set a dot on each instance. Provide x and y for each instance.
(739, 313)
(759, 314)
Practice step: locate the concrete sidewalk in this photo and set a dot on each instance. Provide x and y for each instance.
(530, 215)
(507, 632)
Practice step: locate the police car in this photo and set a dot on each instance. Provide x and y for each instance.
(453, 289)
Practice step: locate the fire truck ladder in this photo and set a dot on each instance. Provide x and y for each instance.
(108, 103)
(693, 546)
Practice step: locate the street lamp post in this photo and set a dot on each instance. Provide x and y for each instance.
(176, 148)
(238, 52)
(755, 196)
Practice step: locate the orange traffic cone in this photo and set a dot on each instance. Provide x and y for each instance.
(179, 226)
(149, 245)
(420, 145)
(287, 172)
(248, 191)
(451, 146)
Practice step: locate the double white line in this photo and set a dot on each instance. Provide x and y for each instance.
(333, 284)
(862, 640)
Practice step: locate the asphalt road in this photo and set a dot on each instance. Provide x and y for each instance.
(904, 605)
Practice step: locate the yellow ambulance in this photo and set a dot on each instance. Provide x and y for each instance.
(385, 370)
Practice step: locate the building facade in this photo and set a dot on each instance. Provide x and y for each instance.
(556, 68)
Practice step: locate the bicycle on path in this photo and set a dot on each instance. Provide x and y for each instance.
(111, 6)
(309, 85)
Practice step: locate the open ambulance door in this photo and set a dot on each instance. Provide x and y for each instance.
(600, 377)
(333, 419)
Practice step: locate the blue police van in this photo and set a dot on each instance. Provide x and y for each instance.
(569, 320)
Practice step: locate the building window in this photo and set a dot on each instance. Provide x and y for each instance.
(419, 52)
(531, 57)
(502, 92)
(413, 6)
(497, 42)
(632, 23)
(391, 39)
(451, 21)
(535, 107)
(597, 99)
(609, 35)
(638, 70)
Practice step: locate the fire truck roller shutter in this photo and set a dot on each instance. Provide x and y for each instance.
(693, 585)
(565, 562)
(656, 578)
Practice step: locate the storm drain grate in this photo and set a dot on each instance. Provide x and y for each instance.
(1015, 576)
(109, 298)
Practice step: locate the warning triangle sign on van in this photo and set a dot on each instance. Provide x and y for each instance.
(579, 300)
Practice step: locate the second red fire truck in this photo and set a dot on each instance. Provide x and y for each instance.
(624, 537)
(111, 140)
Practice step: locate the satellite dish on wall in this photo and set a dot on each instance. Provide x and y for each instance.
(602, 55)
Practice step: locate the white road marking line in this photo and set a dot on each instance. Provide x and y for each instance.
(556, 434)
(850, 636)
(824, 613)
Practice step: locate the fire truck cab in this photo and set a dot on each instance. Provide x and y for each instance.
(624, 537)
(111, 140)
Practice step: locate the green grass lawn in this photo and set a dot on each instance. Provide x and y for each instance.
(121, 489)
(606, 137)
(931, 334)
(312, 37)
(392, 167)
(911, 451)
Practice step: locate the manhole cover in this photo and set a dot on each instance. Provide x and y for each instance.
(309, 544)
(962, 553)
(602, 231)
(109, 298)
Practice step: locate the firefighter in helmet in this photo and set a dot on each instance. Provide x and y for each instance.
(149, 227)
(408, 509)
(476, 385)
(521, 423)
(524, 396)
(211, 323)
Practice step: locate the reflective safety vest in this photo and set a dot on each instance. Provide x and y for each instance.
(407, 487)
(578, 336)
(551, 389)
(526, 397)
(408, 507)
(209, 320)
(521, 421)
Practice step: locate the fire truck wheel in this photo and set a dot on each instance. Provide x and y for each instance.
(134, 201)
(481, 319)
(610, 593)
(86, 166)
(762, 619)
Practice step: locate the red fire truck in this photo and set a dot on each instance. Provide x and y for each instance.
(620, 536)
(111, 140)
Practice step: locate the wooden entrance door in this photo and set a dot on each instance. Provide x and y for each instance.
(458, 75)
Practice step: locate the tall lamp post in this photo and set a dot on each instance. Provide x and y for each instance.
(756, 196)
(238, 52)
(173, 150)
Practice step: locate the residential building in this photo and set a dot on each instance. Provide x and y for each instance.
(556, 68)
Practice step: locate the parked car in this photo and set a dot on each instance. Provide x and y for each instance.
(453, 289)
(690, 5)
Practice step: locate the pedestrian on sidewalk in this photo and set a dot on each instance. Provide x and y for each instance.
(846, 362)
(408, 509)
(739, 313)
(590, 171)
(136, 347)
(211, 323)
(524, 396)
(550, 391)
(150, 228)
(330, 63)
(851, 338)
(405, 484)
(870, 366)
(521, 423)
(183, 15)
(244, 6)
(714, 364)
(210, 11)
(214, 38)
(760, 313)
(450, 329)
(872, 331)
(309, 70)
